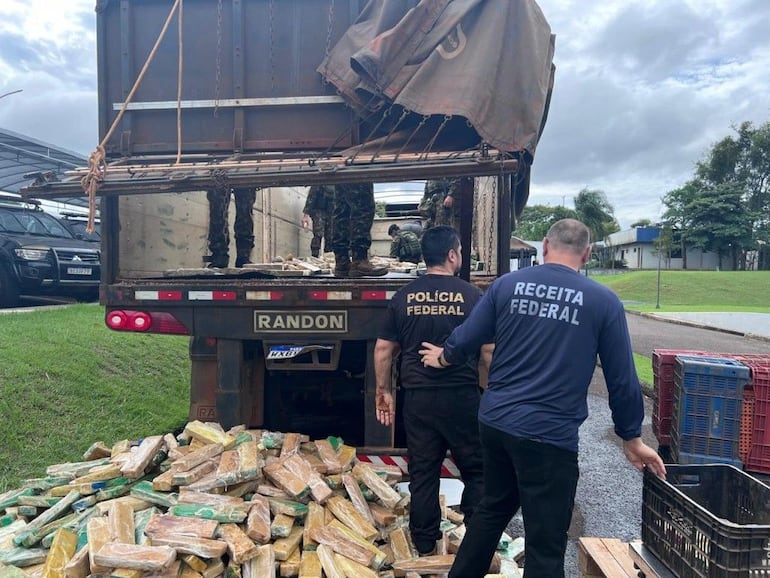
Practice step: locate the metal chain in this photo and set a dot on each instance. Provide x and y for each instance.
(219, 59)
(492, 224)
(269, 214)
(330, 28)
(271, 19)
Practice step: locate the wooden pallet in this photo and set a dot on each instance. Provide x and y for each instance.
(605, 558)
(648, 563)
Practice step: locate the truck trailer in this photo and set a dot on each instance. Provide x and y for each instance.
(277, 96)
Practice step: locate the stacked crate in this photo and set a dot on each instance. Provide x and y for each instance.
(758, 459)
(706, 420)
(663, 391)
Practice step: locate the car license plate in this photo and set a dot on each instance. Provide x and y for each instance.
(79, 270)
(284, 351)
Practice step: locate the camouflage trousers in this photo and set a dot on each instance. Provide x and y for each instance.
(243, 228)
(353, 218)
(438, 214)
(322, 230)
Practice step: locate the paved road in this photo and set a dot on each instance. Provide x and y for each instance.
(609, 495)
(648, 334)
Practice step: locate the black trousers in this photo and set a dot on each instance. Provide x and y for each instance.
(541, 479)
(437, 419)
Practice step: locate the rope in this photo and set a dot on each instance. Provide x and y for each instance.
(97, 167)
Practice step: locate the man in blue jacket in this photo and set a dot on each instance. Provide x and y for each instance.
(548, 323)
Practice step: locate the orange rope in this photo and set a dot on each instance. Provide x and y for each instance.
(97, 166)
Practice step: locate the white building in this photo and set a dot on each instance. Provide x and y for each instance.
(638, 248)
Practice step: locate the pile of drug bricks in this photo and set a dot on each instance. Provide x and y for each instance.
(208, 502)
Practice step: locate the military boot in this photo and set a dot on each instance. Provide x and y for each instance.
(242, 259)
(364, 268)
(217, 260)
(341, 266)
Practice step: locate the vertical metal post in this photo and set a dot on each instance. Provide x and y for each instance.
(660, 250)
(504, 224)
(230, 395)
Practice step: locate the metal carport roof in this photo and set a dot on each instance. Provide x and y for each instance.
(21, 155)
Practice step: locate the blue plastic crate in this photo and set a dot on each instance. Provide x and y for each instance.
(706, 421)
(711, 375)
(686, 458)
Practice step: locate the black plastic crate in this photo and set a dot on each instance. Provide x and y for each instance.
(707, 521)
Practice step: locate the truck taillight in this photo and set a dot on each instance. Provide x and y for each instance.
(141, 322)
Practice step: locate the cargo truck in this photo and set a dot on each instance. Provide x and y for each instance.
(262, 93)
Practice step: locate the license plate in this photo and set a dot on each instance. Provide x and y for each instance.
(284, 351)
(79, 270)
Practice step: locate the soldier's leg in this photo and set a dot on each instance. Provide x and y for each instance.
(219, 238)
(361, 219)
(341, 232)
(328, 233)
(318, 232)
(243, 227)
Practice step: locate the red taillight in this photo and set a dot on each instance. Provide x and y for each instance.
(116, 320)
(142, 322)
(139, 321)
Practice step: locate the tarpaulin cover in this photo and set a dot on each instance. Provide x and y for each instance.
(488, 61)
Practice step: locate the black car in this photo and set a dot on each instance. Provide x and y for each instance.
(77, 224)
(39, 256)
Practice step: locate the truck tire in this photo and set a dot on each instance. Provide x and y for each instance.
(9, 288)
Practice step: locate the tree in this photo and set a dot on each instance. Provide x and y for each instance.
(535, 220)
(596, 212)
(721, 222)
(641, 223)
(678, 214)
(743, 162)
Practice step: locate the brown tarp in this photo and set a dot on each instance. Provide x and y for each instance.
(488, 61)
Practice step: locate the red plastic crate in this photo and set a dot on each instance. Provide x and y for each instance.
(759, 456)
(663, 388)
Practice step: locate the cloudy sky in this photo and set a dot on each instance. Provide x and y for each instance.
(643, 88)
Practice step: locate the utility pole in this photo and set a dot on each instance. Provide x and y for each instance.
(660, 250)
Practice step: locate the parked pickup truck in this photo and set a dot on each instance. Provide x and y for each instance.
(279, 96)
(40, 257)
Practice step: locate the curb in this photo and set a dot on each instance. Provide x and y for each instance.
(700, 326)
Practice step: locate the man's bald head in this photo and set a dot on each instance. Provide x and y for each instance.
(567, 242)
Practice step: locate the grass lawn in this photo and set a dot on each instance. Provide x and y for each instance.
(67, 381)
(747, 291)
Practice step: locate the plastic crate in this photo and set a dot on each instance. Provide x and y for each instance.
(663, 390)
(752, 359)
(759, 456)
(747, 425)
(706, 422)
(707, 521)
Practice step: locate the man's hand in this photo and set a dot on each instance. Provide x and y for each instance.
(385, 408)
(430, 355)
(643, 456)
(305, 221)
(448, 202)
